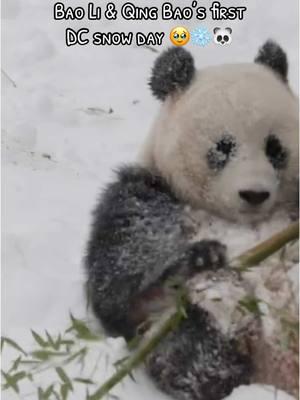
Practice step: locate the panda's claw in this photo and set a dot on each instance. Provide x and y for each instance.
(208, 254)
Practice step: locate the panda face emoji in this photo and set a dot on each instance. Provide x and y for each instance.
(222, 36)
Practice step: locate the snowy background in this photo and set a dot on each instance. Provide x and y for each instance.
(69, 116)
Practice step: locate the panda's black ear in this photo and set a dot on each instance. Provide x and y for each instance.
(272, 55)
(173, 70)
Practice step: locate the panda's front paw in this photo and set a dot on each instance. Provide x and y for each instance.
(207, 254)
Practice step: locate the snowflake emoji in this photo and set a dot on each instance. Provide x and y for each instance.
(201, 36)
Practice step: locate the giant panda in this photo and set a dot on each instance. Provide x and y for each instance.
(217, 173)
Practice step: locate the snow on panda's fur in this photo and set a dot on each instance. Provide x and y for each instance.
(219, 167)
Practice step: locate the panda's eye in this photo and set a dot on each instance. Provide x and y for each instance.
(275, 152)
(219, 38)
(226, 38)
(221, 152)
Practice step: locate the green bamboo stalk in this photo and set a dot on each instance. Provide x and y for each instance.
(141, 354)
(246, 260)
(257, 254)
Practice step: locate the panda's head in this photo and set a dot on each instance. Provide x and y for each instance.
(226, 138)
(222, 36)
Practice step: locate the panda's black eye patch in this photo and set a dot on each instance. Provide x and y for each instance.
(275, 152)
(219, 38)
(221, 152)
(226, 38)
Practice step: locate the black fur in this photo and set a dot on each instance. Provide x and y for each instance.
(173, 70)
(195, 362)
(272, 55)
(138, 241)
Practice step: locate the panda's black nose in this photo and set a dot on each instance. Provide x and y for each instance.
(254, 198)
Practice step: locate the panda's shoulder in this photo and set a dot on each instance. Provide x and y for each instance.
(135, 186)
(142, 182)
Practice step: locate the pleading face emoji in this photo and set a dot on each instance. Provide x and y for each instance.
(179, 36)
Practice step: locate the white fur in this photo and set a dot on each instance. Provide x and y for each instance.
(274, 283)
(247, 101)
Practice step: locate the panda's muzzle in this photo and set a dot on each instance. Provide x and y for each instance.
(254, 198)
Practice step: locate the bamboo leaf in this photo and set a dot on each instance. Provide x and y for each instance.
(29, 362)
(130, 374)
(30, 377)
(85, 381)
(13, 344)
(40, 393)
(64, 391)
(82, 330)
(58, 340)
(251, 304)
(44, 355)
(81, 353)
(64, 377)
(51, 341)
(45, 394)
(19, 376)
(67, 342)
(57, 396)
(16, 364)
(40, 341)
(121, 361)
(48, 391)
(9, 382)
(12, 380)
(183, 312)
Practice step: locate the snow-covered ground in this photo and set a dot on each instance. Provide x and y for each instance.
(70, 115)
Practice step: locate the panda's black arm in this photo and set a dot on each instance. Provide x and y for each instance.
(137, 240)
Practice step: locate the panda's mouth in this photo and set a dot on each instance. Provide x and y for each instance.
(250, 212)
(254, 214)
